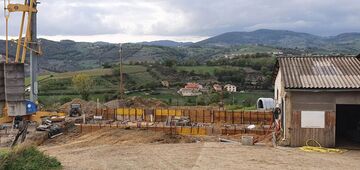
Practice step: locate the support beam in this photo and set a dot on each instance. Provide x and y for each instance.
(34, 57)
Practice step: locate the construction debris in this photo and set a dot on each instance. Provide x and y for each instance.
(247, 140)
(227, 140)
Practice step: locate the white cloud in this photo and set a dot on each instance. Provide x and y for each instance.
(123, 38)
(186, 19)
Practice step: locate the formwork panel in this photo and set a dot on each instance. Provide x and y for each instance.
(207, 116)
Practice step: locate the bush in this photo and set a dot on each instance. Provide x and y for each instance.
(28, 158)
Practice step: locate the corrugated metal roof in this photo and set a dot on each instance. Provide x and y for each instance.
(320, 72)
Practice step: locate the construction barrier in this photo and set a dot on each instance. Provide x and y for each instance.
(195, 115)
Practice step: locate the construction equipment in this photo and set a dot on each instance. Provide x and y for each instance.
(29, 42)
(75, 110)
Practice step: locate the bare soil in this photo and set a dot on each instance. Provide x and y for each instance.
(141, 149)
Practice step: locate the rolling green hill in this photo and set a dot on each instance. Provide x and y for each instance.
(68, 55)
(348, 43)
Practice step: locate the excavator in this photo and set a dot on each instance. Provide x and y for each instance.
(28, 43)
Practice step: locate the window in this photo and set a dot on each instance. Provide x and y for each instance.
(312, 119)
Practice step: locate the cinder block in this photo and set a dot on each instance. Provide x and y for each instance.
(247, 140)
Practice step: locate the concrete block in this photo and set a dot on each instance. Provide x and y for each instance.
(247, 140)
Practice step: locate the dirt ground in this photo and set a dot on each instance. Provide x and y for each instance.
(140, 149)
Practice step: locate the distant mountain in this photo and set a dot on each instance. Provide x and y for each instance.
(166, 43)
(344, 43)
(68, 55)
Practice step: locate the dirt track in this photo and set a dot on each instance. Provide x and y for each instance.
(94, 153)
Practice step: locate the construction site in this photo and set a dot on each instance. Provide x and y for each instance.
(311, 122)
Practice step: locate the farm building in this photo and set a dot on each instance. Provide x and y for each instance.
(195, 86)
(189, 92)
(230, 88)
(217, 87)
(319, 98)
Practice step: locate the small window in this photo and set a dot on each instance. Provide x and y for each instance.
(312, 119)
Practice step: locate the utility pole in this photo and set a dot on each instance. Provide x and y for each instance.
(34, 68)
(121, 74)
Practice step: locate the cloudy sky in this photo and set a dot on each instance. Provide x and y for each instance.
(187, 20)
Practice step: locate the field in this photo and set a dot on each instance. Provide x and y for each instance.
(129, 149)
(58, 88)
(204, 69)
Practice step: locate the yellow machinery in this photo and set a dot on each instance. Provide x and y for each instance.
(28, 42)
(29, 7)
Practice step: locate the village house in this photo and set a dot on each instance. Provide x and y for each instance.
(191, 89)
(189, 92)
(195, 86)
(319, 98)
(165, 83)
(230, 88)
(217, 87)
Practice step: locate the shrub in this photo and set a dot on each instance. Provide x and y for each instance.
(28, 158)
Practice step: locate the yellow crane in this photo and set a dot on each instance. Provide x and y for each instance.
(23, 44)
(27, 9)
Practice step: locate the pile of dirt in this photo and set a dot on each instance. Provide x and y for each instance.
(87, 107)
(175, 138)
(135, 102)
(113, 104)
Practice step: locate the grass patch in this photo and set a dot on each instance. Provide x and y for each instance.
(204, 69)
(27, 158)
(128, 69)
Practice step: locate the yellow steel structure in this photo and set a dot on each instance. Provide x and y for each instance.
(26, 8)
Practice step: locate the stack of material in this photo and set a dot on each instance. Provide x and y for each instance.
(55, 125)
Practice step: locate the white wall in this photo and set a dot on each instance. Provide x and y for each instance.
(278, 89)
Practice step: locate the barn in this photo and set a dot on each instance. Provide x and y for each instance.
(319, 98)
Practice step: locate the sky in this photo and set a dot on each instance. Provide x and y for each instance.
(120, 21)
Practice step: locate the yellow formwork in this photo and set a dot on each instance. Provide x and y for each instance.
(191, 131)
(172, 112)
(178, 113)
(158, 112)
(130, 111)
(168, 112)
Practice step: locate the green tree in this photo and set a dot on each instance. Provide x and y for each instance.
(169, 62)
(82, 84)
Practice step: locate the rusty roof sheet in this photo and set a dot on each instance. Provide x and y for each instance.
(320, 72)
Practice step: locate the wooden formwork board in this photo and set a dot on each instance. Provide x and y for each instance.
(195, 115)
